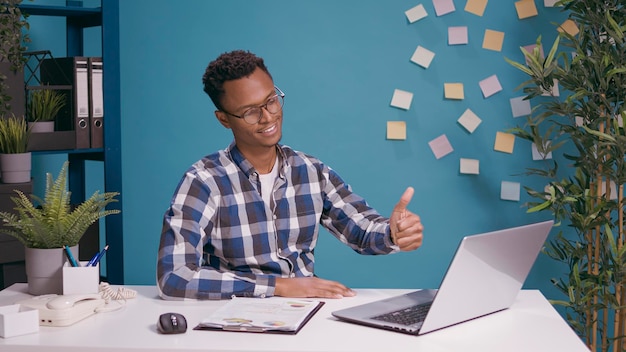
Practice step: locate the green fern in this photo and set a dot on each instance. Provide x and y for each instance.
(54, 223)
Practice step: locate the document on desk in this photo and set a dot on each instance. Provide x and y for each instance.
(262, 315)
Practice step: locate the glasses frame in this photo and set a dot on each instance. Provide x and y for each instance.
(279, 93)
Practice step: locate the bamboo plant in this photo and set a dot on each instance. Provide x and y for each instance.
(53, 222)
(583, 128)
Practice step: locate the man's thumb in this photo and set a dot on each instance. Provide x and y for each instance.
(405, 199)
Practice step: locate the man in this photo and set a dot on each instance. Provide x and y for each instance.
(244, 221)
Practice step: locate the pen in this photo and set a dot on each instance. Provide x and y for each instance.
(96, 258)
(69, 256)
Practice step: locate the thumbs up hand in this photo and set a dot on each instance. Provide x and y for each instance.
(406, 227)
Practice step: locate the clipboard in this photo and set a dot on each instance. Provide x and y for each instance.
(275, 315)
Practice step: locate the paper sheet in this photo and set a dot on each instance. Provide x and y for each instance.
(493, 40)
(504, 142)
(457, 35)
(401, 99)
(509, 190)
(469, 166)
(396, 130)
(440, 146)
(453, 91)
(490, 86)
(477, 7)
(416, 13)
(422, 56)
(469, 120)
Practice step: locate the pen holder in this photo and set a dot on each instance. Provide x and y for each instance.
(81, 279)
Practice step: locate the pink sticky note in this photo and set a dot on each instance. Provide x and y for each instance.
(490, 86)
(457, 35)
(443, 7)
(440, 146)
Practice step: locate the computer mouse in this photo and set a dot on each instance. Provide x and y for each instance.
(172, 323)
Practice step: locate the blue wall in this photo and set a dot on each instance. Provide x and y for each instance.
(338, 63)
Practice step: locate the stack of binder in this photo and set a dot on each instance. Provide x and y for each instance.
(84, 109)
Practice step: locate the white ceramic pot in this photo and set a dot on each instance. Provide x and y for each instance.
(15, 168)
(41, 126)
(44, 269)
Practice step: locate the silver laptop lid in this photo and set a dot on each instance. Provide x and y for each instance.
(486, 274)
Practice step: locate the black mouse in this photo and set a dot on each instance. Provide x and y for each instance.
(172, 323)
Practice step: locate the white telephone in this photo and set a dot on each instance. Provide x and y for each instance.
(64, 310)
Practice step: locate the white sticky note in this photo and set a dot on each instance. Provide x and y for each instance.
(509, 190)
(549, 3)
(457, 35)
(520, 107)
(401, 99)
(440, 146)
(580, 121)
(416, 13)
(443, 7)
(490, 86)
(555, 89)
(422, 56)
(537, 154)
(469, 166)
(469, 120)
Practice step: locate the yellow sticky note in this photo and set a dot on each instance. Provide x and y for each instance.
(570, 27)
(396, 130)
(526, 8)
(477, 7)
(453, 90)
(504, 142)
(493, 40)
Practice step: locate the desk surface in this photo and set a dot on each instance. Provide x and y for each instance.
(531, 324)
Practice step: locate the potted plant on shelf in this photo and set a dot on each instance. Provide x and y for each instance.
(584, 130)
(42, 108)
(47, 225)
(15, 159)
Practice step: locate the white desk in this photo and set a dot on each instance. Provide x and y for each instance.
(532, 324)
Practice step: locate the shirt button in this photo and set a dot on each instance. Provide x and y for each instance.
(262, 295)
(292, 275)
(274, 217)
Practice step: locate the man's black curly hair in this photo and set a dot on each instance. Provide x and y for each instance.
(227, 67)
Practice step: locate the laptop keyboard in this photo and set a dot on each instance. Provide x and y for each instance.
(406, 316)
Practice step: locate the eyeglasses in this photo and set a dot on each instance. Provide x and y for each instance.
(254, 114)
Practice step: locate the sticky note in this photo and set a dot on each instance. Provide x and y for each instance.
(422, 56)
(493, 40)
(469, 166)
(416, 13)
(569, 27)
(401, 99)
(531, 47)
(453, 90)
(526, 9)
(520, 107)
(537, 155)
(477, 7)
(443, 7)
(490, 86)
(549, 3)
(440, 146)
(613, 190)
(580, 121)
(554, 91)
(396, 130)
(509, 190)
(457, 35)
(469, 120)
(504, 142)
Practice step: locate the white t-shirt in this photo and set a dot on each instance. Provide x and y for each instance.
(267, 183)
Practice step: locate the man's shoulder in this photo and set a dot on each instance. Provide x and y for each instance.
(296, 155)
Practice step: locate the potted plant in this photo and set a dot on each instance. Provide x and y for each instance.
(583, 128)
(12, 60)
(15, 159)
(42, 107)
(46, 225)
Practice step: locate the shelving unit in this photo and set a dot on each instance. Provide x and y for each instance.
(77, 19)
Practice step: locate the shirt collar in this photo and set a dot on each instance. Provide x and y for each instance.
(246, 167)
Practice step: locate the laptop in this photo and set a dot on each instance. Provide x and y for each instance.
(485, 276)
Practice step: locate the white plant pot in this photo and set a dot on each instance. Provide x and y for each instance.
(41, 126)
(15, 168)
(44, 269)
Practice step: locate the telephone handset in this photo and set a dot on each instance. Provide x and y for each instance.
(64, 310)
